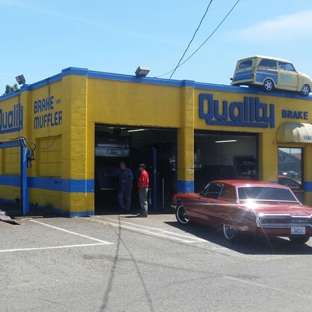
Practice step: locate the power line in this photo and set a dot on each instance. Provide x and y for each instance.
(191, 39)
(203, 42)
(211, 33)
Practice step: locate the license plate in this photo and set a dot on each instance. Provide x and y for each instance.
(113, 151)
(297, 230)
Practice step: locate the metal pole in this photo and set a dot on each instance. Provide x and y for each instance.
(155, 178)
(163, 193)
(24, 186)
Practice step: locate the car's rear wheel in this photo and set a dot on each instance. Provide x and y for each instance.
(268, 85)
(230, 233)
(299, 240)
(182, 216)
(305, 90)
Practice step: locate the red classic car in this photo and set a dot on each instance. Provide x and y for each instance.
(247, 207)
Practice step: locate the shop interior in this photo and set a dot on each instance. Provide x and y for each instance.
(217, 155)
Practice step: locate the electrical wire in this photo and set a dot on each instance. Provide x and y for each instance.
(191, 39)
(55, 138)
(203, 42)
(30, 144)
(211, 33)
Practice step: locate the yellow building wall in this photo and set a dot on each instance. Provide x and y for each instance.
(10, 157)
(186, 138)
(136, 104)
(62, 177)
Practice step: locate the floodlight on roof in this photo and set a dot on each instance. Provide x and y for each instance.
(20, 79)
(142, 71)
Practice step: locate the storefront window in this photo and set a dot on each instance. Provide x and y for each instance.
(290, 167)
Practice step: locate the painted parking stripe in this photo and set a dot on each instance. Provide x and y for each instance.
(70, 232)
(290, 293)
(152, 231)
(53, 247)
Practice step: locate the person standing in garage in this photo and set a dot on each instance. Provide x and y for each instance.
(125, 177)
(143, 185)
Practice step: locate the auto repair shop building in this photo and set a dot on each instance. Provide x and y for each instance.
(242, 133)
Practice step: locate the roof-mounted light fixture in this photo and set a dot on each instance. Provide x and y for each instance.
(20, 79)
(142, 71)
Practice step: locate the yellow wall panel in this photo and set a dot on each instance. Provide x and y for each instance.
(48, 162)
(12, 160)
(11, 193)
(128, 103)
(46, 199)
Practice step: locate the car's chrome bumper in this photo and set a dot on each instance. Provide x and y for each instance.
(282, 221)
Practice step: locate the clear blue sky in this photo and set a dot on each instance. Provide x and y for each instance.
(40, 38)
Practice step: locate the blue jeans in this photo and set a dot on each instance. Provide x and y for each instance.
(124, 196)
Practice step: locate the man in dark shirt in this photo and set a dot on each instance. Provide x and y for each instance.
(125, 177)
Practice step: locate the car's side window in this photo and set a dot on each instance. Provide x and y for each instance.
(213, 190)
(245, 64)
(268, 63)
(228, 193)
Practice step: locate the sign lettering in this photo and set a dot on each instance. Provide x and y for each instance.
(294, 114)
(248, 113)
(46, 115)
(11, 121)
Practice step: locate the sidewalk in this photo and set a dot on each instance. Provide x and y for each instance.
(15, 211)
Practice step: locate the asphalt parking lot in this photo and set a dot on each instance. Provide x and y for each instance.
(125, 263)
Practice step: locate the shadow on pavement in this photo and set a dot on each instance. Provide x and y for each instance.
(259, 245)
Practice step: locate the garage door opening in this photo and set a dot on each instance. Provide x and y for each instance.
(227, 155)
(155, 147)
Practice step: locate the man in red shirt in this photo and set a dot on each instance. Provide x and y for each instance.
(143, 185)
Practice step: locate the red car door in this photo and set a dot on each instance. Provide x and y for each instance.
(206, 206)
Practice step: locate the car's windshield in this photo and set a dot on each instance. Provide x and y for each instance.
(265, 193)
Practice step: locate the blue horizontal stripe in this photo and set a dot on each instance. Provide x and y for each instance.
(10, 180)
(63, 185)
(307, 186)
(185, 186)
(52, 184)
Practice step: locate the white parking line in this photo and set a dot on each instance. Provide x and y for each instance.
(53, 247)
(100, 242)
(70, 232)
(290, 293)
(153, 231)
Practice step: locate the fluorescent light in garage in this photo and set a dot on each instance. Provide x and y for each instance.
(226, 141)
(136, 130)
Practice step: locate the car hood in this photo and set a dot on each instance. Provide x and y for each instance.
(305, 76)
